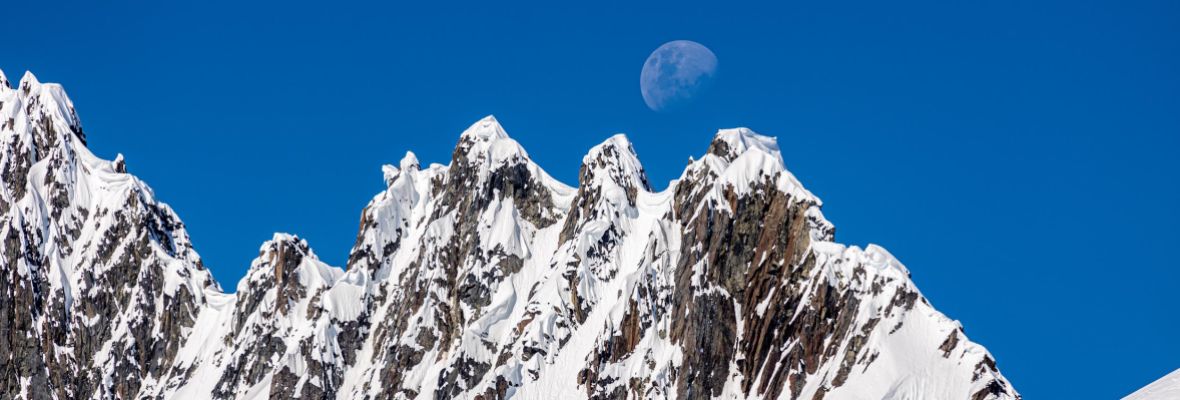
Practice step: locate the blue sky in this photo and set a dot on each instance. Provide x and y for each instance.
(1018, 156)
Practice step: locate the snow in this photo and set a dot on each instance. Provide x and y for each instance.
(409, 161)
(741, 140)
(492, 142)
(751, 160)
(1165, 388)
(621, 164)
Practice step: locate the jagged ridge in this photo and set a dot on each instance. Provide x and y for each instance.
(484, 278)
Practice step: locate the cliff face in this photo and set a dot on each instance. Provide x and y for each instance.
(483, 279)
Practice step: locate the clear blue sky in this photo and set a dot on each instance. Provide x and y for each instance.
(1019, 156)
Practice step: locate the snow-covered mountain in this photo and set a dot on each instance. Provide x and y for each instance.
(101, 285)
(481, 279)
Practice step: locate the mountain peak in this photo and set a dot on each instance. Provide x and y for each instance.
(614, 159)
(487, 128)
(40, 103)
(282, 248)
(742, 159)
(280, 240)
(486, 146)
(729, 144)
(4, 84)
(618, 140)
(287, 259)
(409, 162)
(28, 81)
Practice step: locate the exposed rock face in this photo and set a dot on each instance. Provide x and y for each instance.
(481, 279)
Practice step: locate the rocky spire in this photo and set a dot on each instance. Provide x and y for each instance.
(281, 294)
(609, 182)
(286, 264)
(28, 81)
(614, 161)
(486, 166)
(487, 144)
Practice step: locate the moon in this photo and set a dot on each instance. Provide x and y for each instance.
(675, 73)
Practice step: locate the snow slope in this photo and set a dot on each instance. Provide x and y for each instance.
(1165, 388)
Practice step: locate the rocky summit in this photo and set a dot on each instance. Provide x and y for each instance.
(481, 279)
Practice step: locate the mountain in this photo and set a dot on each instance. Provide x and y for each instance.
(1164, 388)
(481, 279)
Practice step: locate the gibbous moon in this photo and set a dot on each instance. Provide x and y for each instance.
(675, 73)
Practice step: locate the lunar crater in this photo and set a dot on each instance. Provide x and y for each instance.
(676, 73)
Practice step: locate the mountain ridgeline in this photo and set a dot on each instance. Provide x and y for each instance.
(481, 279)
